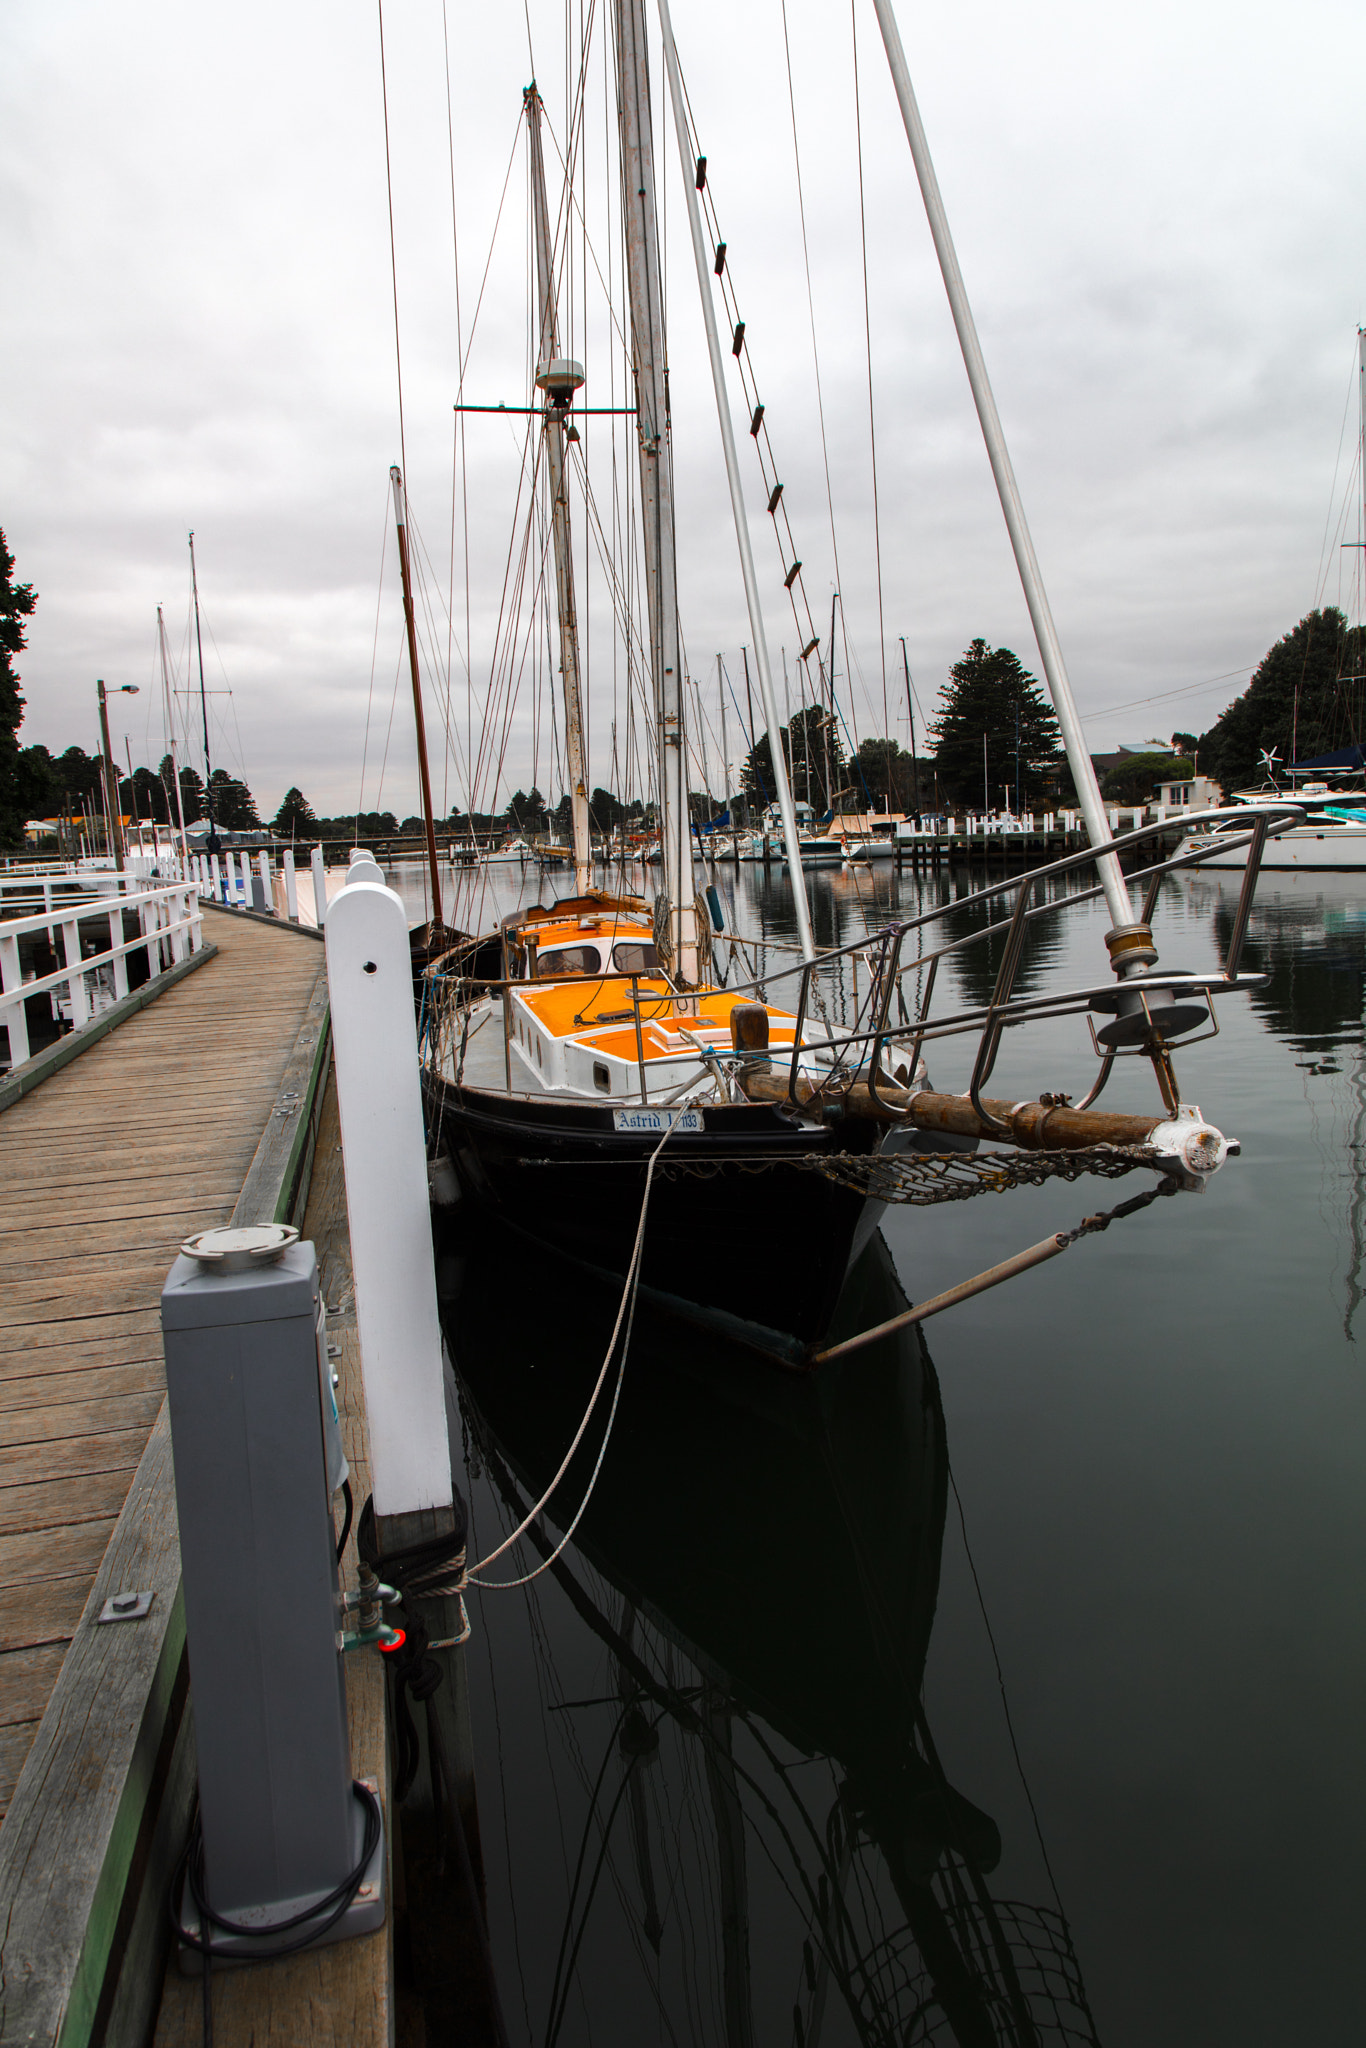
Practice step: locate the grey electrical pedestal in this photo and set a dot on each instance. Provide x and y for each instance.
(257, 1450)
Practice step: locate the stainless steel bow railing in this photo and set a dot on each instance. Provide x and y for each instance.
(1004, 1008)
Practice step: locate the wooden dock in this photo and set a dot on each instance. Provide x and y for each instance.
(104, 1170)
(198, 1110)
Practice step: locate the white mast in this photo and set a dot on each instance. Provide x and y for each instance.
(1026, 561)
(702, 739)
(1361, 353)
(559, 380)
(737, 500)
(656, 479)
(725, 752)
(170, 734)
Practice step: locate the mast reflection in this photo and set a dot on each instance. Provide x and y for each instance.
(762, 1843)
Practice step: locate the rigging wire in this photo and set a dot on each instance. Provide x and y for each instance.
(1001, 1686)
(374, 657)
(872, 425)
(810, 300)
(1332, 526)
(393, 252)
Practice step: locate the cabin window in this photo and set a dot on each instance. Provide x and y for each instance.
(601, 1077)
(539, 1061)
(631, 957)
(568, 960)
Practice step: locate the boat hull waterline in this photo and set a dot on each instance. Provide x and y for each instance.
(1337, 849)
(719, 1238)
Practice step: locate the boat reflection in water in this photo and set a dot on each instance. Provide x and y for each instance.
(747, 1835)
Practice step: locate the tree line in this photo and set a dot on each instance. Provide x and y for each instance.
(993, 743)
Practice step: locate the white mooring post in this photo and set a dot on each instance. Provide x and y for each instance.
(319, 888)
(267, 882)
(374, 1035)
(291, 886)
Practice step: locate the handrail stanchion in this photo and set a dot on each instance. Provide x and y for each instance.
(798, 1027)
(923, 1019)
(887, 970)
(640, 1036)
(1244, 911)
(990, 1042)
(14, 1015)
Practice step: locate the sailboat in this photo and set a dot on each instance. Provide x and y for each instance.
(588, 1075)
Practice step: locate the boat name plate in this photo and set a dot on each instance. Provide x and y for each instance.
(645, 1119)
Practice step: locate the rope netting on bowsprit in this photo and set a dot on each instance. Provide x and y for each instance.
(922, 1178)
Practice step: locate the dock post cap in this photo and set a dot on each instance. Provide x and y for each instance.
(238, 1250)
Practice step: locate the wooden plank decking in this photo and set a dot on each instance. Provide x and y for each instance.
(104, 1170)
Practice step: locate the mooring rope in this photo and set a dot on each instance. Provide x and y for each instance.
(627, 1312)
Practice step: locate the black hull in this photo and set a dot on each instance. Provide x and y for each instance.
(737, 1233)
(784, 1532)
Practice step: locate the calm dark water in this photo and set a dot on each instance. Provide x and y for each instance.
(1003, 1688)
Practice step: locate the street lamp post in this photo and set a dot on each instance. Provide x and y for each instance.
(111, 779)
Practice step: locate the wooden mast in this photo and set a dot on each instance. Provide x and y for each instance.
(559, 380)
(401, 520)
(641, 233)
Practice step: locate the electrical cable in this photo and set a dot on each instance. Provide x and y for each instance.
(346, 1519)
(319, 1918)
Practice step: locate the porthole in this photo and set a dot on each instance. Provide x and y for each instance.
(602, 1078)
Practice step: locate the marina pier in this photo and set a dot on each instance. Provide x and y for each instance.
(199, 1110)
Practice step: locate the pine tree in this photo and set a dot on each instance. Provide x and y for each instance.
(527, 812)
(295, 818)
(16, 604)
(1305, 697)
(234, 806)
(991, 696)
(191, 791)
(810, 739)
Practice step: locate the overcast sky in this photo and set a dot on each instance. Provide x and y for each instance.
(1158, 214)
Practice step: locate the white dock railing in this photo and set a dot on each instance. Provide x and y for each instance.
(170, 927)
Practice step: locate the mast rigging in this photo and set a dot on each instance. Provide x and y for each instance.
(559, 379)
(212, 844)
(641, 232)
(737, 502)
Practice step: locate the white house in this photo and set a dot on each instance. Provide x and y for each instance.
(1188, 793)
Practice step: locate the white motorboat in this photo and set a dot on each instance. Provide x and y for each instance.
(516, 853)
(816, 851)
(1333, 836)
